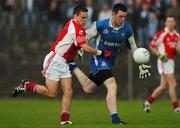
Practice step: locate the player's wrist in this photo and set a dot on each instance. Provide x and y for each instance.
(162, 56)
(158, 55)
(99, 52)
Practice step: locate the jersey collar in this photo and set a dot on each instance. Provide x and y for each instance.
(167, 30)
(115, 28)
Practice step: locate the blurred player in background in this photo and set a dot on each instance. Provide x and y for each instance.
(164, 45)
(55, 67)
(111, 33)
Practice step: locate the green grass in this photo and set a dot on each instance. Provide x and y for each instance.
(30, 113)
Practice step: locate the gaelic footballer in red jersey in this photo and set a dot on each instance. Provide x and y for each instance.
(55, 66)
(164, 46)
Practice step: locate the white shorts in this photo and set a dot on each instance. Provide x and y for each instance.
(55, 67)
(166, 68)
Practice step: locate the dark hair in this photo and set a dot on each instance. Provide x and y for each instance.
(80, 8)
(170, 16)
(120, 7)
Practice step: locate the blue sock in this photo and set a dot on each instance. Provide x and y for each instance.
(115, 118)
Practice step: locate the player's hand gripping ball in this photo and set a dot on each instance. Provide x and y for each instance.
(141, 56)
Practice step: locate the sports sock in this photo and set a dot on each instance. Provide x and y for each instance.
(150, 99)
(175, 104)
(115, 118)
(30, 86)
(65, 116)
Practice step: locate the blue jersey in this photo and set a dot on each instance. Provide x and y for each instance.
(109, 38)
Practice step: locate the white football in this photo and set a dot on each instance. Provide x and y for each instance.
(141, 56)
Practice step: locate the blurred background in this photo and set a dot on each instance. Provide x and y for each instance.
(29, 27)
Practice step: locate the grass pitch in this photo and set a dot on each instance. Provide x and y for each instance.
(30, 113)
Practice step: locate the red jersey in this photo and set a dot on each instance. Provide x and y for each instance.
(69, 39)
(166, 42)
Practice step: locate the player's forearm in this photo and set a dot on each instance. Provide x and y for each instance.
(178, 48)
(132, 50)
(91, 50)
(132, 44)
(155, 51)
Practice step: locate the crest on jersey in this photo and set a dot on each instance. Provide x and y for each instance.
(103, 64)
(122, 34)
(105, 31)
(168, 39)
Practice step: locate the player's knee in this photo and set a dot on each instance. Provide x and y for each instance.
(87, 90)
(68, 92)
(48, 93)
(112, 91)
(90, 88)
(163, 87)
(175, 85)
(112, 88)
(52, 96)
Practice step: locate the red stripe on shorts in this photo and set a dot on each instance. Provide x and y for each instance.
(48, 63)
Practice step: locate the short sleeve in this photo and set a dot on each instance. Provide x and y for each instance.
(92, 31)
(156, 40)
(80, 37)
(98, 26)
(129, 31)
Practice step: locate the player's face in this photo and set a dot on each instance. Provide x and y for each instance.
(170, 23)
(81, 18)
(119, 18)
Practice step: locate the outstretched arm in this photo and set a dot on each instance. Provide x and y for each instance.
(91, 50)
(88, 49)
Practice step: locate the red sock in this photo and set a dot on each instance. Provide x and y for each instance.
(150, 99)
(175, 104)
(30, 86)
(65, 116)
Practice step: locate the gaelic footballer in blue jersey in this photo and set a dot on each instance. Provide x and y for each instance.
(111, 38)
(111, 34)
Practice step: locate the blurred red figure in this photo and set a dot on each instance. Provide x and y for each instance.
(164, 45)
